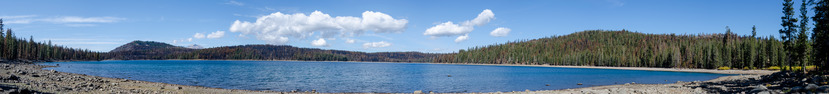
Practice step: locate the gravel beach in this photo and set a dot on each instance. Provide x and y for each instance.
(31, 78)
(675, 88)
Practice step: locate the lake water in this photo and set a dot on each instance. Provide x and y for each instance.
(367, 77)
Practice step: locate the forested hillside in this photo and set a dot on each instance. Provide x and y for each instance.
(145, 50)
(158, 50)
(283, 52)
(13, 48)
(630, 49)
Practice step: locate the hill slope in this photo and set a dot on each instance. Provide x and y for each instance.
(158, 50)
(629, 49)
(145, 50)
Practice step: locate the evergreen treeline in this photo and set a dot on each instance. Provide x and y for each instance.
(282, 52)
(630, 49)
(17, 49)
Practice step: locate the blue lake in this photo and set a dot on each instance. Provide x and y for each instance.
(367, 77)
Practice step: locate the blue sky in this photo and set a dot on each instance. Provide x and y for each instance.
(370, 25)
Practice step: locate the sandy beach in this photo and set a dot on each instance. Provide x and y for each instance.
(31, 77)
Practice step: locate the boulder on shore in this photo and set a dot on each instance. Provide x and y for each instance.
(811, 87)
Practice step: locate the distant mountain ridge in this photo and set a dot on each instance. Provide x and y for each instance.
(194, 46)
(138, 45)
(138, 50)
(145, 50)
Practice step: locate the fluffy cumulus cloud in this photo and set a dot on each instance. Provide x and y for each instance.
(319, 42)
(447, 29)
(462, 38)
(217, 34)
(376, 44)
(483, 18)
(279, 28)
(213, 35)
(500, 32)
(198, 35)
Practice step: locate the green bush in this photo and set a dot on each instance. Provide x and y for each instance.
(724, 68)
(773, 68)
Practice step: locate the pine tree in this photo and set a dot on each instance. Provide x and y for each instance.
(787, 33)
(753, 31)
(726, 48)
(3, 54)
(802, 42)
(10, 45)
(820, 35)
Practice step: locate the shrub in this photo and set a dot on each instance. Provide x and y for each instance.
(808, 68)
(773, 68)
(724, 68)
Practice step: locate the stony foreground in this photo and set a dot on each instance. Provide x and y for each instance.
(633, 88)
(775, 83)
(31, 78)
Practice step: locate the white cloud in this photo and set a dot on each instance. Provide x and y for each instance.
(22, 21)
(483, 18)
(73, 19)
(462, 38)
(234, 2)
(68, 20)
(217, 34)
(212, 35)
(198, 35)
(376, 44)
(349, 40)
(449, 28)
(319, 42)
(500, 32)
(279, 28)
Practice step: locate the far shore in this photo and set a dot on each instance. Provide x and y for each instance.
(735, 71)
(626, 88)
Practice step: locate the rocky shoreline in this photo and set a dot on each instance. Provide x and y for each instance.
(32, 78)
(756, 82)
